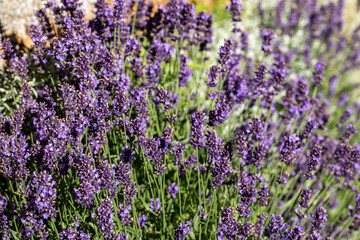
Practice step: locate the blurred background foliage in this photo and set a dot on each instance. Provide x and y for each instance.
(17, 15)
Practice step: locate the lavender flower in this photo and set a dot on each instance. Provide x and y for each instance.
(119, 9)
(127, 155)
(4, 229)
(132, 47)
(183, 230)
(258, 156)
(139, 101)
(156, 208)
(275, 227)
(259, 79)
(88, 186)
(220, 113)
(246, 187)
(106, 178)
(151, 147)
(202, 214)
(305, 198)
(288, 148)
(42, 195)
(310, 126)
(74, 233)
(13, 155)
(204, 31)
(185, 72)
(332, 82)
(313, 160)
(263, 195)
(103, 22)
(213, 75)
(346, 116)
(278, 71)
(257, 129)
(6, 49)
(318, 74)
(159, 51)
(343, 99)
(299, 213)
(357, 200)
(221, 168)
(33, 226)
(121, 102)
(190, 162)
(124, 214)
(228, 226)
(246, 229)
(122, 175)
(297, 232)
(267, 36)
(105, 217)
(178, 150)
(242, 146)
(163, 97)
(218, 158)
(165, 141)
(259, 225)
(319, 221)
(225, 53)
(197, 137)
(235, 7)
(19, 67)
(244, 210)
(282, 178)
(142, 220)
(173, 189)
(350, 130)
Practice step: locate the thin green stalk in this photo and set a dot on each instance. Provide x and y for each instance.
(163, 204)
(315, 92)
(276, 191)
(200, 180)
(296, 200)
(178, 182)
(153, 109)
(134, 19)
(200, 233)
(148, 174)
(347, 225)
(212, 202)
(318, 196)
(54, 227)
(269, 112)
(17, 204)
(188, 187)
(137, 224)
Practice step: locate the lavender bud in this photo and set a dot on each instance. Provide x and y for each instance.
(173, 189)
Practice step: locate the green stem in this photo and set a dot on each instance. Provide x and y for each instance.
(200, 180)
(296, 200)
(211, 210)
(134, 19)
(276, 191)
(163, 204)
(54, 227)
(178, 182)
(346, 225)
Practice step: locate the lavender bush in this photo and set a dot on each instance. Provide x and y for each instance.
(130, 128)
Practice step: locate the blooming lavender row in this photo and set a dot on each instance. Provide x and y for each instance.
(136, 131)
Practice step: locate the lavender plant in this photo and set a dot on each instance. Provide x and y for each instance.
(137, 132)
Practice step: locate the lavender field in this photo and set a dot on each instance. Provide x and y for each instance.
(148, 121)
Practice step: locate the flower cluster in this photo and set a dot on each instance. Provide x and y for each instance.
(130, 127)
